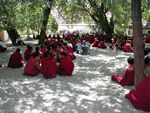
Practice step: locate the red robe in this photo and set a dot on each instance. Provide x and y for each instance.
(127, 78)
(66, 66)
(70, 52)
(101, 45)
(140, 96)
(15, 60)
(42, 51)
(147, 39)
(30, 68)
(127, 48)
(74, 43)
(96, 42)
(27, 54)
(49, 67)
(41, 54)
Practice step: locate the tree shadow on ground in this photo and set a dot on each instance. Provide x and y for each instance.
(88, 90)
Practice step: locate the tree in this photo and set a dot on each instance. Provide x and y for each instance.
(7, 20)
(46, 12)
(29, 16)
(104, 14)
(138, 41)
(52, 24)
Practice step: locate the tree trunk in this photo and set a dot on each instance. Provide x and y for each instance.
(138, 42)
(13, 35)
(44, 25)
(101, 19)
(105, 25)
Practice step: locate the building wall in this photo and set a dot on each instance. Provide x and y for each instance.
(146, 31)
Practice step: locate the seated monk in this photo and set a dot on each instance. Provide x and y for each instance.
(48, 67)
(96, 42)
(58, 51)
(33, 65)
(101, 45)
(70, 53)
(15, 60)
(27, 53)
(37, 50)
(140, 96)
(128, 76)
(127, 47)
(42, 50)
(66, 65)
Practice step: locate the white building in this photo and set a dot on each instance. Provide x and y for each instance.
(146, 30)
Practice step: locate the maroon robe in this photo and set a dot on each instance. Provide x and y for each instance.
(58, 52)
(70, 53)
(140, 96)
(15, 60)
(49, 67)
(30, 68)
(27, 54)
(101, 45)
(96, 42)
(127, 48)
(147, 39)
(74, 43)
(127, 78)
(66, 66)
(42, 51)
(41, 54)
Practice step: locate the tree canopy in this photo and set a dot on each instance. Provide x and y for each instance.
(109, 16)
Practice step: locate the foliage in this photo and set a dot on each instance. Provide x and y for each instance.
(27, 15)
(52, 24)
(24, 15)
(117, 11)
(119, 31)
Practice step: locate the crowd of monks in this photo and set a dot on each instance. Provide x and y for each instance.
(56, 55)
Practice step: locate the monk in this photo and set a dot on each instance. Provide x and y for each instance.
(66, 65)
(37, 50)
(48, 67)
(27, 53)
(95, 43)
(33, 65)
(16, 60)
(102, 45)
(128, 76)
(42, 50)
(140, 96)
(127, 47)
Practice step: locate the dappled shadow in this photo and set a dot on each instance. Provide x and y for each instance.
(88, 90)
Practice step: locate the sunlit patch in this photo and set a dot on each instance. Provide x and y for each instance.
(64, 99)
